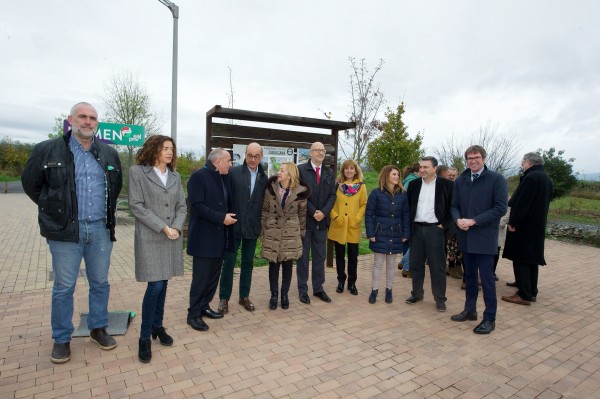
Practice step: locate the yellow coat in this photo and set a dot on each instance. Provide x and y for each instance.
(347, 216)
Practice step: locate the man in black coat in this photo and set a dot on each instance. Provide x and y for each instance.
(526, 228)
(429, 200)
(321, 181)
(209, 233)
(248, 183)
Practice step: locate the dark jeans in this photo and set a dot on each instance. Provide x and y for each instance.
(427, 243)
(340, 262)
(286, 277)
(229, 259)
(526, 277)
(205, 278)
(153, 307)
(484, 265)
(313, 243)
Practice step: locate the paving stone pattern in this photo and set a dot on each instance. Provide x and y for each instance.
(348, 348)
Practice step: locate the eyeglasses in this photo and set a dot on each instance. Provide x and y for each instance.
(250, 156)
(319, 150)
(478, 157)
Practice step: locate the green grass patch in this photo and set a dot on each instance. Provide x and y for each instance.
(576, 210)
(9, 178)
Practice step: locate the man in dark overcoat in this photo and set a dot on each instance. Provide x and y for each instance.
(527, 227)
(248, 182)
(209, 233)
(321, 181)
(479, 200)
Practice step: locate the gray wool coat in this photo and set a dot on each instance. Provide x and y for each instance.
(155, 206)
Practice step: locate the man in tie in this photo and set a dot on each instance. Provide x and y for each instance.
(479, 201)
(321, 181)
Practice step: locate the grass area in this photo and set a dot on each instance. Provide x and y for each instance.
(9, 178)
(576, 210)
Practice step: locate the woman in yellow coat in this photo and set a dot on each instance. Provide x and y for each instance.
(346, 221)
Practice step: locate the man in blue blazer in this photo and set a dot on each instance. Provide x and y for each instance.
(479, 201)
(429, 201)
(321, 181)
(209, 233)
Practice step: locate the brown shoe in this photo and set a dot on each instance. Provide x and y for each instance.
(101, 337)
(223, 306)
(406, 274)
(516, 299)
(247, 304)
(454, 273)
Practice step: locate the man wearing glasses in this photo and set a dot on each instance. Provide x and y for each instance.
(248, 183)
(479, 201)
(321, 181)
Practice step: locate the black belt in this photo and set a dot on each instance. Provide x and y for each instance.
(426, 224)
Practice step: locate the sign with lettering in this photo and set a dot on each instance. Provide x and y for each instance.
(117, 133)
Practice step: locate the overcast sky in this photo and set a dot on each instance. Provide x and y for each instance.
(531, 68)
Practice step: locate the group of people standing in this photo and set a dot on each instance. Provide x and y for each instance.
(75, 180)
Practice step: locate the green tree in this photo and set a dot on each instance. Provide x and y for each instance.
(394, 146)
(560, 171)
(58, 128)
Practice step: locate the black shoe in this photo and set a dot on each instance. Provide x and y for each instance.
(340, 288)
(464, 316)
(485, 327)
(352, 289)
(61, 353)
(440, 306)
(273, 301)
(533, 299)
(322, 296)
(164, 338)
(413, 299)
(514, 284)
(145, 351)
(197, 324)
(304, 298)
(373, 296)
(388, 295)
(285, 301)
(211, 314)
(101, 337)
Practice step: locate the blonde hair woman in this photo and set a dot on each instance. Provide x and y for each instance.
(346, 219)
(283, 224)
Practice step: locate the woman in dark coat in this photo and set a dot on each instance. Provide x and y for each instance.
(153, 183)
(283, 224)
(387, 222)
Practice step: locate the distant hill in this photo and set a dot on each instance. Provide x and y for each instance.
(589, 176)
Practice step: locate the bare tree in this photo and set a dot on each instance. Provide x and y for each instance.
(128, 102)
(230, 99)
(364, 109)
(501, 149)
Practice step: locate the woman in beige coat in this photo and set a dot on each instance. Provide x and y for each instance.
(346, 219)
(283, 224)
(156, 200)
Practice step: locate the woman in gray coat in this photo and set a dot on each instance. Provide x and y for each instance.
(157, 201)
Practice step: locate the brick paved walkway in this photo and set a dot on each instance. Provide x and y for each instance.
(348, 348)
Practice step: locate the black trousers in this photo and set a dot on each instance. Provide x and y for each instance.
(205, 278)
(286, 278)
(340, 262)
(526, 277)
(427, 243)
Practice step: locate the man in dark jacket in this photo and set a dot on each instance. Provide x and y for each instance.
(321, 181)
(429, 200)
(527, 227)
(209, 233)
(75, 180)
(248, 182)
(478, 202)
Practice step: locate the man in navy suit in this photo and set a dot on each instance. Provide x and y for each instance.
(209, 233)
(321, 181)
(479, 201)
(429, 201)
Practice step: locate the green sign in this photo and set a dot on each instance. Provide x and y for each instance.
(116, 133)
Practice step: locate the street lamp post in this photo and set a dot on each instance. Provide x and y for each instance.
(175, 11)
